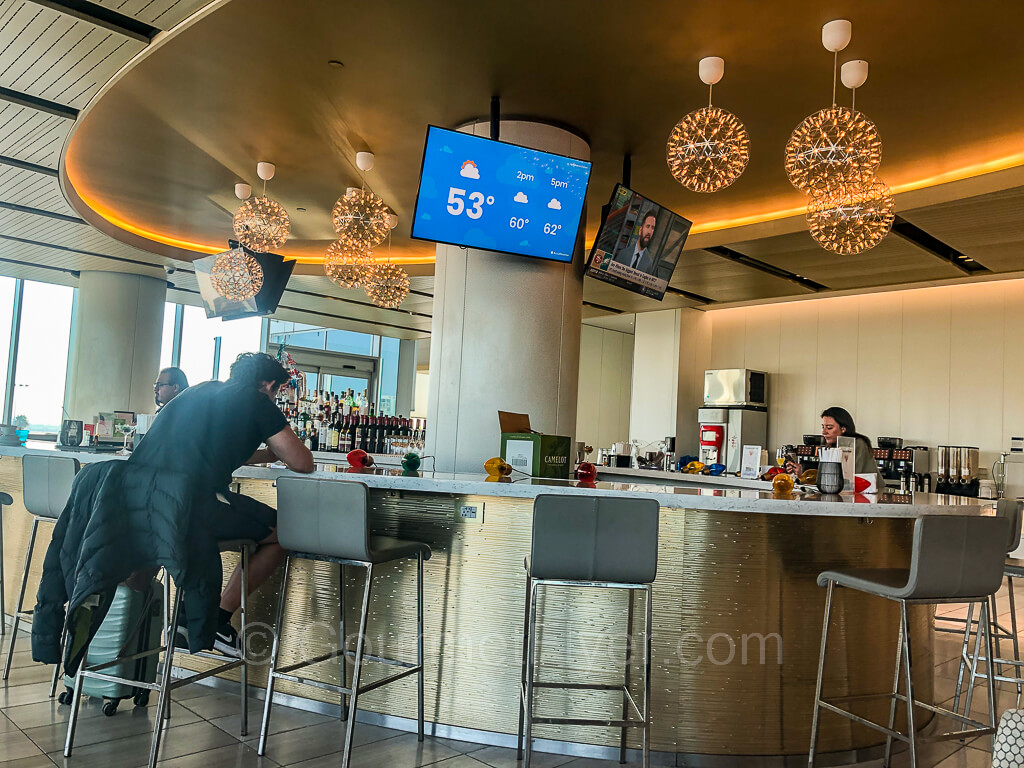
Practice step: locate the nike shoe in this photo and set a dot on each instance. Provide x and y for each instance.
(227, 641)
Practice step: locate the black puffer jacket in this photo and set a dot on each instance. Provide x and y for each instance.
(122, 518)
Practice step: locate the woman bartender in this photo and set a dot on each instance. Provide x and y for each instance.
(837, 422)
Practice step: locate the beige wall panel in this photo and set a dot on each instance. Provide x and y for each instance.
(925, 370)
(976, 373)
(763, 338)
(655, 383)
(694, 359)
(588, 400)
(1013, 380)
(727, 339)
(625, 388)
(606, 365)
(879, 372)
(838, 337)
(792, 390)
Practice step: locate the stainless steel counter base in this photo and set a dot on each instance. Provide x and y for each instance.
(737, 619)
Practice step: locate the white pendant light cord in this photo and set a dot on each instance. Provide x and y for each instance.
(835, 72)
(710, 88)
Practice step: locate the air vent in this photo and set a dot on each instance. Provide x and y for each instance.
(926, 242)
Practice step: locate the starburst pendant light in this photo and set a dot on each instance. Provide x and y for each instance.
(347, 265)
(361, 218)
(837, 145)
(236, 275)
(709, 148)
(387, 285)
(851, 218)
(261, 224)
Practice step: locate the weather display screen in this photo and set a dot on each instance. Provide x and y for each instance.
(480, 193)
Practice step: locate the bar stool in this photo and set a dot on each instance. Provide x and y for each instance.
(46, 486)
(164, 686)
(328, 521)
(955, 559)
(1013, 511)
(5, 501)
(602, 542)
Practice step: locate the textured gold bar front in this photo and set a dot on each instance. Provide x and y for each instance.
(737, 624)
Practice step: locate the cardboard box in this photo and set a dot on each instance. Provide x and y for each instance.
(531, 452)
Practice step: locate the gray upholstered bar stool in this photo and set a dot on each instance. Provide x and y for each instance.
(603, 542)
(5, 501)
(955, 559)
(46, 486)
(1013, 511)
(328, 521)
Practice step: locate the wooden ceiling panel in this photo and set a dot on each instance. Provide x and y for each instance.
(162, 14)
(31, 136)
(34, 190)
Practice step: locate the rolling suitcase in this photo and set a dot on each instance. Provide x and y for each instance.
(132, 625)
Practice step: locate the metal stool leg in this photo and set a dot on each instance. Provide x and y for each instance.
(419, 645)
(163, 705)
(907, 671)
(821, 670)
(994, 621)
(76, 700)
(975, 658)
(244, 565)
(56, 667)
(530, 671)
(893, 702)
(275, 652)
(344, 643)
(21, 597)
(963, 658)
(990, 675)
(522, 678)
(1013, 631)
(626, 678)
(648, 642)
(357, 668)
(3, 606)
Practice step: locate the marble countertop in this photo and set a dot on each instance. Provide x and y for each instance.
(704, 497)
(682, 478)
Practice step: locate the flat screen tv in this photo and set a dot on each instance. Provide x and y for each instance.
(480, 193)
(276, 271)
(638, 244)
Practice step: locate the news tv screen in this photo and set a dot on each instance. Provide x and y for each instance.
(638, 245)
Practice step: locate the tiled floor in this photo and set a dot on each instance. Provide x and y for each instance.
(203, 732)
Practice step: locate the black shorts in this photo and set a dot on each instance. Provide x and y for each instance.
(239, 518)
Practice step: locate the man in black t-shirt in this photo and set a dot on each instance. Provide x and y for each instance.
(207, 432)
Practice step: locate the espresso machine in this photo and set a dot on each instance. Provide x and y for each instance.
(957, 470)
(735, 414)
(905, 467)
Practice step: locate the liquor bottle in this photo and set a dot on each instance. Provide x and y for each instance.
(358, 438)
(314, 439)
(333, 446)
(345, 436)
(346, 406)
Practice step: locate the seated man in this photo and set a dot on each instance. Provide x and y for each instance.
(168, 385)
(206, 433)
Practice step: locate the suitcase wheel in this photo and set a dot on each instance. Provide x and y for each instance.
(141, 699)
(66, 696)
(110, 707)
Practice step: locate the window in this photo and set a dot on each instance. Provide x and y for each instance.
(41, 371)
(388, 400)
(167, 340)
(6, 320)
(199, 343)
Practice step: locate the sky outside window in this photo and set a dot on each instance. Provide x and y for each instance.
(43, 355)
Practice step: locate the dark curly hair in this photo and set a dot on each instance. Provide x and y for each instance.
(254, 368)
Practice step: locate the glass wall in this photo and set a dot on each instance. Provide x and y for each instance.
(41, 370)
(167, 340)
(6, 319)
(199, 336)
(388, 378)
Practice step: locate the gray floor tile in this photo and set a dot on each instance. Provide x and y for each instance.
(132, 721)
(465, 747)
(134, 751)
(399, 752)
(6, 725)
(282, 719)
(37, 761)
(501, 757)
(32, 673)
(325, 739)
(49, 711)
(234, 756)
(589, 762)
(21, 658)
(462, 761)
(15, 745)
(217, 704)
(14, 695)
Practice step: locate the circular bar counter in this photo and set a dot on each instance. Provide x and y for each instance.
(737, 614)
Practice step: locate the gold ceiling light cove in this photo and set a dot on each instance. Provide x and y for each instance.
(236, 275)
(347, 266)
(261, 224)
(709, 148)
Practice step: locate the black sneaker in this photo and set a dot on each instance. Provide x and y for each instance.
(228, 642)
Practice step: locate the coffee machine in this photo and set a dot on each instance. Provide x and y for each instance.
(735, 414)
(957, 470)
(905, 467)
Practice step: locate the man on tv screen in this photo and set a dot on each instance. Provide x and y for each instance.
(635, 254)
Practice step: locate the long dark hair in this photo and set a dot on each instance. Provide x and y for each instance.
(845, 421)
